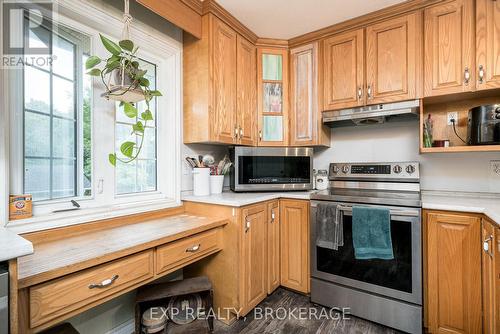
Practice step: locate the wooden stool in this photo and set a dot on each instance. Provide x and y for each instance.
(65, 328)
(154, 295)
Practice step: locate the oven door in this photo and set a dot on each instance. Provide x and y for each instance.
(400, 278)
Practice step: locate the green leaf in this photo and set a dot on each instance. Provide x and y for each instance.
(127, 44)
(155, 93)
(111, 46)
(144, 82)
(129, 110)
(91, 62)
(139, 73)
(147, 115)
(135, 64)
(127, 148)
(111, 66)
(95, 72)
(138, 127)
(112, 159)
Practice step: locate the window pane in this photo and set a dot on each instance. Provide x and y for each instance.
(63, 184)
(149, 148)
(273, 97)
(36, 135)
(36, 89)
(146, 175)
(123, 134)
(64, 97)
(64, 62)
(126, 177)
(37, 178)
(272, 67)
(39, 37)
(64, 138)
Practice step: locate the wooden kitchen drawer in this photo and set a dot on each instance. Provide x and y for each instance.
(179, 253)
(61, 296)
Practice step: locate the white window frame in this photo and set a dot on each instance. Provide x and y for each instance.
(155, 47)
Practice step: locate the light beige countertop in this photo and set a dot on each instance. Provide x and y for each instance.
(488, 204)
(13, 245)
(229, 198)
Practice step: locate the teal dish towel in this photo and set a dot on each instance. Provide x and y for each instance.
(371, 233)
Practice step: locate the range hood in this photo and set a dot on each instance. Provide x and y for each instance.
(379, 113)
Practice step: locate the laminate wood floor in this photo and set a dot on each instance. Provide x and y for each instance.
(276, 303)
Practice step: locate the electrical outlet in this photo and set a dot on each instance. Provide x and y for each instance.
(495, 168)
(451, 116)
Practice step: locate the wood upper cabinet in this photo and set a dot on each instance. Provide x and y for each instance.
(224, 81)
(393, 61)
(490, 278)
(294, 215)
(253, 245)
(246, 92)
(306, 127)
(343, 66)
(273, 246)
(453, 272)
(272, 96)
(488, 44)
(449, 48)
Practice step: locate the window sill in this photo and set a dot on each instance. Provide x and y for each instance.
(55, 220)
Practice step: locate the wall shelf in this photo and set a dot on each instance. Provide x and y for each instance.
(455, 149)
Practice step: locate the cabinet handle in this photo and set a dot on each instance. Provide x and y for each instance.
(247, 224)
(273, 216)
(466, 76)
(193, 249)
(486, 245)
(481, 74)
(260, 135)
(241, 132)
(360, 92)
(236, 132)
(103, 284)
(369, 92)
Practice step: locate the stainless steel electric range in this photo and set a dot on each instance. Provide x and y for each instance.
(385, 291)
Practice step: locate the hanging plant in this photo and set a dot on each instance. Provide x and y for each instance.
(124, 81)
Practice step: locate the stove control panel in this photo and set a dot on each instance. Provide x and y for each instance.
(389, 171)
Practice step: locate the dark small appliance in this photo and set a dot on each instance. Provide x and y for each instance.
(484, 125)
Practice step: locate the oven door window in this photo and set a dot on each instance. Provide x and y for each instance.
(394, 274)
(274, 169)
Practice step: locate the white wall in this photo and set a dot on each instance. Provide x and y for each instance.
(400, 142)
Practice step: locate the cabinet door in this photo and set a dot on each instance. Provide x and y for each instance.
(295, 244)
(393, 62)
(273, 246)
(247, 92)
(304, 94)
(254, 282)
(272, 69)
(453, 273)
(490, 268)
(488, 43)
(449, 48)
(343, 63)
(224, 81)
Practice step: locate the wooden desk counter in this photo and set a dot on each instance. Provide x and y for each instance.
(53, 282)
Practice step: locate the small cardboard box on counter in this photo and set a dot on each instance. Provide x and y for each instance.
(20, 207)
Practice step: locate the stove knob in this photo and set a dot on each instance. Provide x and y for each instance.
(335, 169)
(410, 169)
(398, 169)
(345, 169)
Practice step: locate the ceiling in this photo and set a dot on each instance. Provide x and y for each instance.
(285, 19)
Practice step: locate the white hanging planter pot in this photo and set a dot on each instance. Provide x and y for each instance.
(125, 91)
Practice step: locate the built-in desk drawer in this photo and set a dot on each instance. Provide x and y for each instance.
(179, 253)
(64, 295)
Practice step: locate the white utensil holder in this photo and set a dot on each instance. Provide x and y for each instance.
(216, 184)
(201, 181)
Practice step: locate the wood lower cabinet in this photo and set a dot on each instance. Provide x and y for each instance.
(449, 48)
(487, 44)
(306, 127)
(393, 61)
(452, 272)
(490, 277)
(343, 66)
(273, 246)
(295, 272)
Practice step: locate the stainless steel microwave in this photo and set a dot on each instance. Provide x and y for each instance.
(271, 168)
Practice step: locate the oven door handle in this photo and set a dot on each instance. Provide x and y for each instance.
(409, 213)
